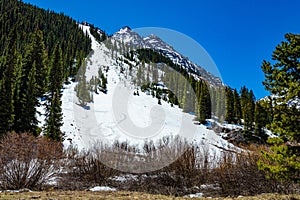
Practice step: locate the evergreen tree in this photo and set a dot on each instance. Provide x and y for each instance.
(29, 98)
(139, 75)
(7, 85)
(54, 112)
(25, 109)
(204, 103)
(260, 118)
(282, 79)
(82, 91)
(103, 83)
(39, 57)
(56, 71)
(230, 114)
(220, 103)
(248, 107)
(237, 107)
(188, 98)
(54, 117)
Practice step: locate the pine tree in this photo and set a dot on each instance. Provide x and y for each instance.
(39, 57)
(237, 107)
(53, 111)
(82, 91)
(282, 79)
(7, 85)
(56, 70)
(248, 107)
(25, 109)
(188, 97)
(29, 120)
(230, 115)
(260, 119)
(54, 118)
(203, 105)
(103, 83)
(220, 103)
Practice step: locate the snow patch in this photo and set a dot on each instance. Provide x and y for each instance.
(197, 195)
(102, 188)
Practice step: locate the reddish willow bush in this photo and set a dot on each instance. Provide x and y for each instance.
(27, 161)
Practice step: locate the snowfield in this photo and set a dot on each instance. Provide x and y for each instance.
(120, 115)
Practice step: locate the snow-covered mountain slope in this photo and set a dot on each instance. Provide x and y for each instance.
(152, 41)
(127, 36)
(120, 115)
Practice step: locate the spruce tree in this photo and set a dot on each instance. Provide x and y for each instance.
(7, 84)
(248, 107)
(203, 106)
(54, 117)
(29, 99)
(56, 70)
(260, 119)
(206, 98)
(188, 97)
(237, 107)
(230, 115)
(25, 109)
(220, 103)
(282, 79)
(39, 57)
(54, 112)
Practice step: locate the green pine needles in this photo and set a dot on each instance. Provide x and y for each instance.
(282, 79)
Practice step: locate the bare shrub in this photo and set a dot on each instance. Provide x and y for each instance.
(85, 169)
(238, 174)
(27, 161)
(177, 178)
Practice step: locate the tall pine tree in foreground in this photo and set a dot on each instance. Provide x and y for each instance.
(282, 79)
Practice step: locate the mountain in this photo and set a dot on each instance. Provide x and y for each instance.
(127, 36)
(153, 42)
(123, 112)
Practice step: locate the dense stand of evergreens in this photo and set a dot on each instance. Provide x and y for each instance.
(39, 49)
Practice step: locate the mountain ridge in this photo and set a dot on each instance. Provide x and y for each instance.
(152, 41)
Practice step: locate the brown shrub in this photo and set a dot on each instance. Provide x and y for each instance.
(238, 174)
(27, 161)
(84, 169)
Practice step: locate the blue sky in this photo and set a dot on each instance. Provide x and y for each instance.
(237, 34)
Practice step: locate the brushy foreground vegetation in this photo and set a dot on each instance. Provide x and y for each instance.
(46, 166)
(85, 195)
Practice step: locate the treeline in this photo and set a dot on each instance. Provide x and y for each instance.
(242, 108)
(39, 50)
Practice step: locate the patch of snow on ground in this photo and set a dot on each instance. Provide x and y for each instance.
(197, 195)
(269, 133)
(102, 188)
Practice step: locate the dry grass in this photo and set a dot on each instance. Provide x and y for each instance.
(85, 195)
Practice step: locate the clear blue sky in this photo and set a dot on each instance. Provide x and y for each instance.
(237, 34)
